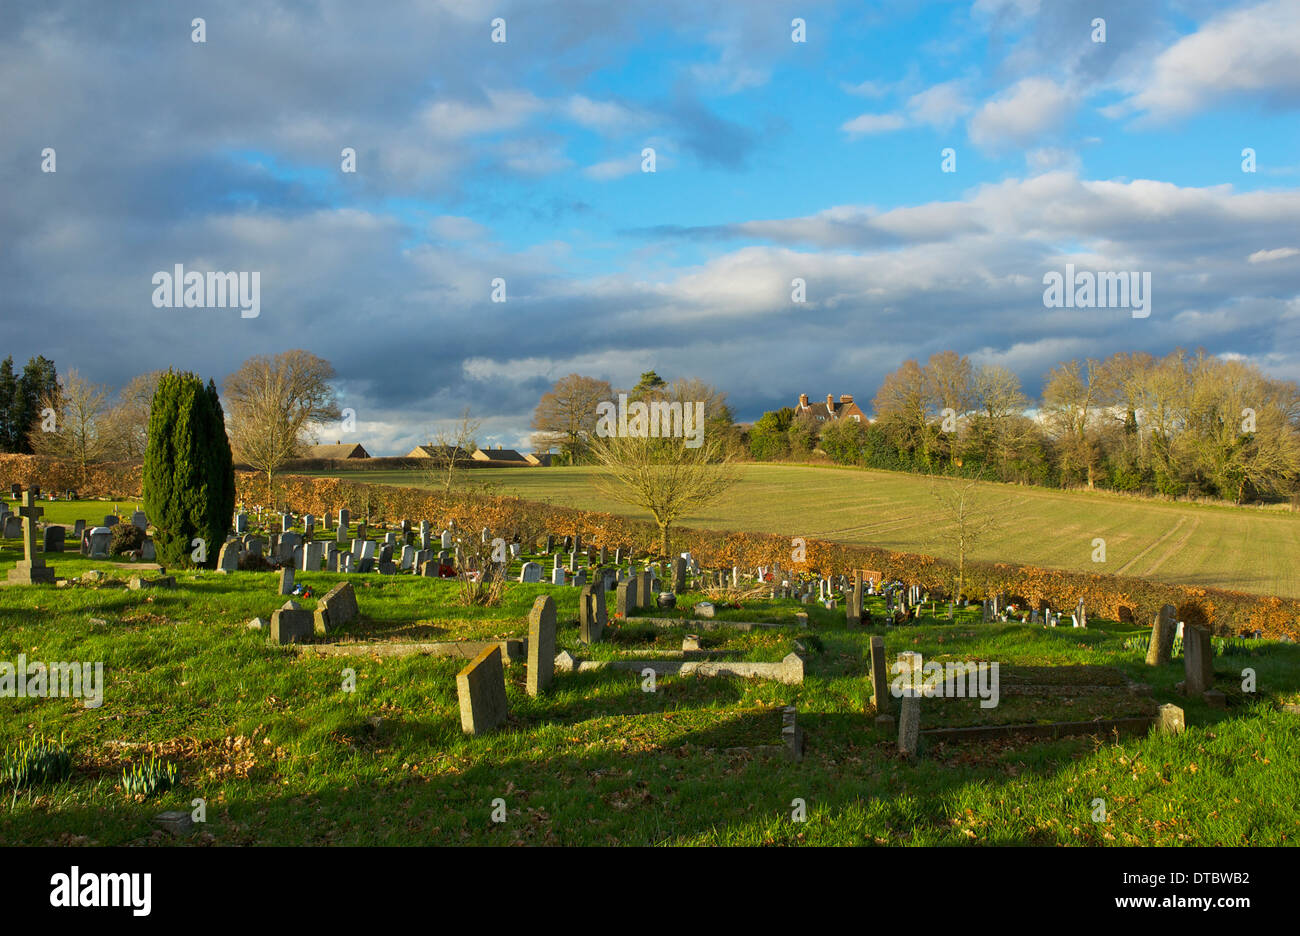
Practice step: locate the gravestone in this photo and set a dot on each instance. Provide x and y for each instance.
(13, 527)
(1160, 650)
(288, 626)
(241, 523)
(541, 645)
(424, 535)
(286, 581)
(645, 588)
(679, 575)
(31, 569)
(1198, 661)
(148, 552)
(52, 541)
(140, 521)
(100, 538)
(531, 572)
(909, 726)
(853, 602)
(880, 682)
(254, 546)
(110, 520)
(446, 539)
(345, 517)
(408, 557)
(481, 690)
(312, 555)
(429, 568)
(1172, 719)
(228, 557)
(590, 627)
(557, 576)
(78, 527)
(625, 598)
(336, 608)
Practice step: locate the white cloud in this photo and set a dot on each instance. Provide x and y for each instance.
(1280, 253)
(1022, 113)
(873, 123)
(1251, 50)
(940, 105)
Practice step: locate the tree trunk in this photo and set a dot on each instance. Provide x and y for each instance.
(664, 540)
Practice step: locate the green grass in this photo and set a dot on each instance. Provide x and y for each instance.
(281, 755)
(1246, 549)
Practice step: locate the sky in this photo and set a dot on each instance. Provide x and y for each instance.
(775, 160)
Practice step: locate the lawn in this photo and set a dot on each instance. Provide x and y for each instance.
(1241, 548)
(280, 754)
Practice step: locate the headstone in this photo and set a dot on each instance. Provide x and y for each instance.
(408, 557)
(1198, 661)
(52, 541)
(313, 554)
(13, 527)
(679, 575)
(228, 557)
(481, 689)
(291, 626)
(703, 609)
(286, 581)
(140, 521)
(589, 625)
(110, 520)
(880, 678)
(1161, 647)
(100, 538)
(853, 602)
(557, 576)
(345, 517)
(31, 569)
(625, 598)
(78, 527)
(337, 607)
(531, 572)
(909, 726)
(254, 546)
(424, 535)
(241, 523)
(541, 644)
(148, 552)
(446, 539)
(1172, 719)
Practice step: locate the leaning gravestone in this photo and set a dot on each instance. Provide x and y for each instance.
(1198, 661)
(1161, 647)
(481, 690)
(541, 645)
(336, 608)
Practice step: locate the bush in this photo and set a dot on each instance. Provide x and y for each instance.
(126, 537)
(188, 475)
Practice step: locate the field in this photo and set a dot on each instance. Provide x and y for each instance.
(281, 754)
(1241, 548)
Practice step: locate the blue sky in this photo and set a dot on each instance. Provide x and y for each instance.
(775, 159)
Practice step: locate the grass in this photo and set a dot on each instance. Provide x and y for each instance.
(1246, 549)
(282, 755)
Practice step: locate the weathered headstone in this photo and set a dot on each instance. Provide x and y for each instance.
(291, 626)
(228, 557)
(1160, 650)
(679, 575)
(541, 645)
(1172, 719)
(481, 689)
(285, 581)
(909, 725)
(1198, 661)
(590, 627)
(337, 607)
(531, 572)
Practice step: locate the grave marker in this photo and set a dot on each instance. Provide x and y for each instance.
(481, 690)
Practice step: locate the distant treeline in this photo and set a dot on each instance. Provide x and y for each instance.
(1185, 425)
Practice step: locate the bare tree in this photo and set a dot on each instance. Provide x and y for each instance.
(276, 404)
(967, 515)
(128, 421)
(566, 414)
(450, 447)
(75, 430)
(1072, 398)
(663, 476)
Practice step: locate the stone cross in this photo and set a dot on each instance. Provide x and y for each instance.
(31, 569)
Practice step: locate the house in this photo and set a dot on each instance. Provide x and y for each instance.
(542, 459)
(499, 454)
(336, 452)
(441, 452)
(831, 410)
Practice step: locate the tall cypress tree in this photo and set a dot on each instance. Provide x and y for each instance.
(189, 479)
(8, 398)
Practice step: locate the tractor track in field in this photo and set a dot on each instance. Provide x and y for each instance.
(1168, 533)
(1151, 569)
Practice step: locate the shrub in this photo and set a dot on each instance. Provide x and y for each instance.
(126, 537)
(188, 475)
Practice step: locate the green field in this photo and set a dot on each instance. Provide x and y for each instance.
(267, 737)
(1241, 548)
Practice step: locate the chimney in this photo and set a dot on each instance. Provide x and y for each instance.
(846, 398)
(830, 402)
(803, 400)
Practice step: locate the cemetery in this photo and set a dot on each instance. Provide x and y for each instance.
(385, 672)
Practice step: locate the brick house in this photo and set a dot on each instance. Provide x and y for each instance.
(831, 409)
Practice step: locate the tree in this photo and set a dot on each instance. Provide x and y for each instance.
(128, 420)
(77, 432)
(8, 393)
(276, 405)
(20, 401)
(566, 414)
(450, 447)
(188, 474)
(1072, 398)
(966, 517)
(649, 382)
(902, 408)
(663, 476)
(949, 385)
(998, 426)
(768, 437)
